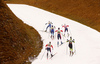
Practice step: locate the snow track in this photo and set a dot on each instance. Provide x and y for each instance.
(87, 40)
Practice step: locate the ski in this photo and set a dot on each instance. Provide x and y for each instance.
(62, 43)
(44, 31)
(53, 55)
(73, 53)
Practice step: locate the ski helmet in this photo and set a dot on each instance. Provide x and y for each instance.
(58, 28)
(70, 38)
(49, 42)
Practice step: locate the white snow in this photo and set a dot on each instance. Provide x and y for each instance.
(87, 40)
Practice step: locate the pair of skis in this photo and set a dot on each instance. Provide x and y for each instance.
(60, 44)
(52, 56)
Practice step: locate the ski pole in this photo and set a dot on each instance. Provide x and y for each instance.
(74, 49)
(43, 55)
(70, 31)
(44, 28)
(54, 35)
(62, 36)
(49, 34)
(74, 46)
(67, 42)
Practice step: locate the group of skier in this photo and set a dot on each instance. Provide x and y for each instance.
(52, 30)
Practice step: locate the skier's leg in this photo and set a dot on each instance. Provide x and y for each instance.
(61, 42)
(67, 32)
(51, 53)
(60, 39)
(64, 32)
(46, 28)
(70, 53)
(49, 27)
(48, 49)
(47, 54)
(51, 35)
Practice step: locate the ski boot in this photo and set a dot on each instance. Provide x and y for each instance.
(61, 43)
(51, 55)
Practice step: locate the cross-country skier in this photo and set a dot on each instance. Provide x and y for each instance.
(52, 32)
(65, 28)
(59, 36)
(48, 48)
(49, 25)
(71, 46)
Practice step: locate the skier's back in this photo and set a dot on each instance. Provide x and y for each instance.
(52, 32)
(59, 36)
(65, 28)
(48, 48)
(71, 45)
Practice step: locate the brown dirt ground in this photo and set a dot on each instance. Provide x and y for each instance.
(84, 11)
(18, 41)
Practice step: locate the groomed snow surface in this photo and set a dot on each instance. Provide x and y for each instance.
(87, 40)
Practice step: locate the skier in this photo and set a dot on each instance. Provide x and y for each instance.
(49, 25)
(65, 29)
(71, 46)
(52, 32)
(59, 35)
(48, 48)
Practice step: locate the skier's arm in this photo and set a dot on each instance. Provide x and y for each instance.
(52, 46)
(61, 30)
(67, 40)
(67, 25)
(62, 25)
(56, 30)
(46, 46)
(73, 41)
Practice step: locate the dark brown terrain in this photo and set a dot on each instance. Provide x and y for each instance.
(84, 11)
(18, 41)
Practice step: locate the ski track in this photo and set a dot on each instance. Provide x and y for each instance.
(87, 40)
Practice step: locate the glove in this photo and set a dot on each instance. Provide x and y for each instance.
(67, 40)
